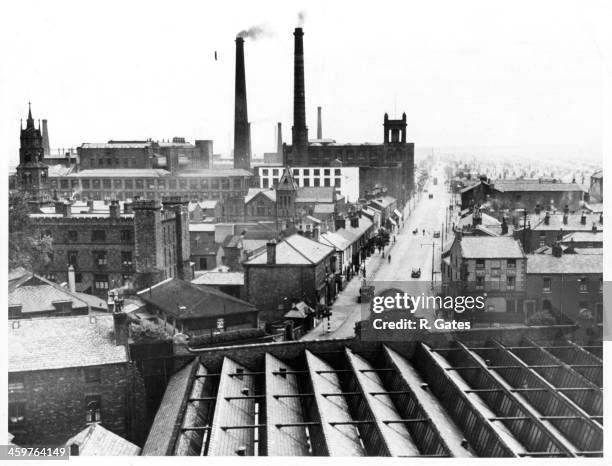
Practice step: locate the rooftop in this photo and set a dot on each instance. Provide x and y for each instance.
(534, 185)
(253, 192)
(295, 250)
(115, 145)
(315, 194)
(95, 440)
(213, 173)
(350, 397)
(184, 300)
(555, 222)
(485, 247)
(61, 342)
(121, 173)
(566, 264)
(217, 278)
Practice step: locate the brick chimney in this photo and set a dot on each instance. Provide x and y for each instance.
(547, 218)
(476, 217)
(71, 279)
(556, 250)
(114, 209)
(583, 218)
(340, 223)
(504, 226)
(566, 209)
(594, 227)
(121, 328)
(242, 157)
(299, 129)
(90, 205)
(564, 219)
(127, 207)
(63, 207)
(537, 209)
(271, 252)
(355, 221)
(316, 233)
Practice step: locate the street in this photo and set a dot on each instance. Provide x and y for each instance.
(409, 251)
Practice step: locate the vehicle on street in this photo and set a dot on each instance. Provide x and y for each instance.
(416, 273)
(436, 234)
(415, 231)
(430, 196)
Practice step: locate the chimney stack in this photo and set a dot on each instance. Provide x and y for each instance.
(319, 124)
(71, 279)
(340, 223)
(566, 209)
(601, 218)
(537, 209)
(556, 250)
(564, 219)
(271, 252)
(114, 209)
(279, 140)
(583, 218)
(242, 157)
(547, 218)
(504, 226)
(316, 232)
(299, 130)
(594, 227)
(45, 136)
(121, 326)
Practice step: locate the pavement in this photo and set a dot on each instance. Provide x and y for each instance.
(409, 251)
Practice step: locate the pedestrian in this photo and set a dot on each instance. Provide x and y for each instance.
(423, 231)
(389, 258)
(383, 254)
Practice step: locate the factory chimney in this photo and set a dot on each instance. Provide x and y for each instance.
(242, 157)
(319, 124)
(45, 135)
(279, 139)
(299, 130)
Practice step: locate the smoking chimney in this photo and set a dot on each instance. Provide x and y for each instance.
(45, 135)
(319, 124)
(299, 130)
(242, 156)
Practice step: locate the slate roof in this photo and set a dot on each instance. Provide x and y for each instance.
(219, 278)
(533, 185)
(61, 342)
(202, 227)
(566, 264)
(584, 237)
(484, 247)
(120, 172)
(213, 173)
(168, 417)
(324, 209)
(295, 250)
(198, 300)
(37, 294)
(556, 222)
(95, 440)
(384, 201)
(487, 220)
(115, 145)
(597, 174)
(253, 192)
(315, 194)
(335, 240)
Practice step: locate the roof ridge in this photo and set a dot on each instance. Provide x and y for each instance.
(299, 252)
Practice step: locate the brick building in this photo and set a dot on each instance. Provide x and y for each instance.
(494, 266)
(300, 269)
(564, 282)
(68, 372)
(129, 249)
(523, 194)
(183, 307)
(545, 228)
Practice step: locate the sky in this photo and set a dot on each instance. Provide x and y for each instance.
(523, 76)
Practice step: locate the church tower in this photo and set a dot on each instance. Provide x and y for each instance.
(286, 193)
(32, 172)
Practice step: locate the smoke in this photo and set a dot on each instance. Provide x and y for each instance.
(255, 32)
(301, 17)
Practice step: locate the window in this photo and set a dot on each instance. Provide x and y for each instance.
(98, 236)
(510, 283)
(193, 184)
(296, 172)
(16, 413)
(275, 172)
(72, 236)
(129, 184)
(203, 264)
(92, 375)
(316, 172)
(264, 172)
(127, 278)
(337, 182)
(225, 184)
(480, 283)
(327, 182)
(126, 258)
(93, 412)
(511, 305)
(85, 184)
(16, 383)
(100, 258)
(139, 184)
(239, 371)
(583, 285)
(337, 172)
(326, 172)
(306, 172)
(126, 236)
(265, 183)
(306, 182)
(214, 184)
(78, 277)
(511, 263)
(317, 182)
(237, 184)
(480, 263)
(282, 371)
(546, 284)
(150, 183)
(172, 184)
(72, 258)
(101, 282)
(106, 184)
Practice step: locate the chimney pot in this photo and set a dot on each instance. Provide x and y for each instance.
(583, 219)
(71, 279)
(547, 219)
(316, 233)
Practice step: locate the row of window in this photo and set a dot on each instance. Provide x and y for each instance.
(510, 263)
(495, 285)
(93, 411)
(583, 285)
(303, 171)
(100, 258)
(125, 195)
(95, 236)
(305, 182)
(148, 183)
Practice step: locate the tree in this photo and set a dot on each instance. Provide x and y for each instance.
(26, 248)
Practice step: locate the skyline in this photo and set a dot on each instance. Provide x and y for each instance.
(478, 82)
